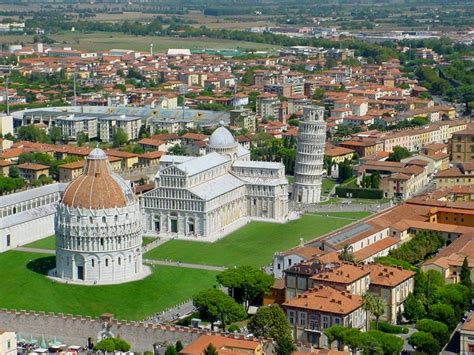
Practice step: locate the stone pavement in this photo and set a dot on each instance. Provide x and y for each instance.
(35, 250)
(186, 265)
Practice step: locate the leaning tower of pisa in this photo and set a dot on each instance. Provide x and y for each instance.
(309, 156)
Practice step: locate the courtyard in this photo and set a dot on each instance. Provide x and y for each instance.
(25, 286)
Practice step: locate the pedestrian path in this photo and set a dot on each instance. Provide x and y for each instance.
(185, 265)
(35, 250)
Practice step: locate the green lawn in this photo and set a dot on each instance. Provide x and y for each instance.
(147, 240)
(99, 41)
(253, 244)
(327, 186)
(45, 243)
(26, 287)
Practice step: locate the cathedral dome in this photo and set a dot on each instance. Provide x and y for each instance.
(98, 187)
(221, 138)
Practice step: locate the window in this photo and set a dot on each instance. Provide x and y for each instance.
(302, 318)
(325, 322)
(8, 240)
(120, 260)
(278, 266)
(106, 262)
(289, 261)
(102, 241)
(103, 219)
(291, 317)
(93, 263)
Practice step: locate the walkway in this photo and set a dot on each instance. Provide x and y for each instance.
(35, 250)
(185, 265)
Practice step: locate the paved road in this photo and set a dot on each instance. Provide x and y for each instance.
(185, 265)
(35, 250)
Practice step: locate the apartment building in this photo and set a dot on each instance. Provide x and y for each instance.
(31, 171)
(462, 146)
(461, 175)
(345, 277)
(393, 285)
(320, 308)
(267, 105)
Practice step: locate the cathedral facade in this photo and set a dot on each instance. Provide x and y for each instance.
(207, 197)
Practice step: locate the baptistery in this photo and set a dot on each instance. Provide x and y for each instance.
(98, 227)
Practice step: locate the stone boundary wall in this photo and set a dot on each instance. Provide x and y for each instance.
(75, 330)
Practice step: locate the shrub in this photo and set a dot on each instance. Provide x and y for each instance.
(233, 328)
(437, 329)
(359, 193)
(389, 328)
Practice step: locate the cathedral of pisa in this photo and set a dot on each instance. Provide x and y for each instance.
(99, 222)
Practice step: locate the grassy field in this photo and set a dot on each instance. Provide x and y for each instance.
(97, 41)
(45, 243)
(28, 288)
(254, 244)
(327, 186)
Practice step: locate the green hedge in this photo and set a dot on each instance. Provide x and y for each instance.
(357, 192)
(389, 328)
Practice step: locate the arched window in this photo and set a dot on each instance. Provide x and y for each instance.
(106, 262)
(103, 219)
(93, 263)
(116, 218)
(129, 258)
(120, 260)
(90, 219)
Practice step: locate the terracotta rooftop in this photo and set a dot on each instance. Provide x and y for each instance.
(373, 249)
(97, 187)
(32, 166)
(469, 323)
(344, 274)
(224, 345)
(326, 299)
(388, 276)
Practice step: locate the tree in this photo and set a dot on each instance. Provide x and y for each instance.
(82, 138)
(55, 134)
(424, 342)
(270, 322)
(210, 350)
(33, 134)
(107, 345)
(456, 295)
(171, 350)
(112, 345)
(284, 345)
(374, 305)
(335, 333)
(398, 154)
(177, 150)
(216, 305)
(179, 346)
(465, 93)
(439, 330)
(390, 344)
(443, 313)
(375, 180)
(120, 138)
(465, 274)
(13, 172)
(246, 283)
(354, 339)
(345, 170)
(413, 309)
(346, 254)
